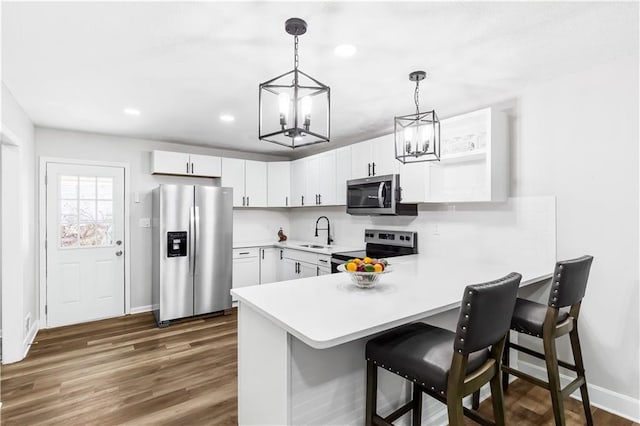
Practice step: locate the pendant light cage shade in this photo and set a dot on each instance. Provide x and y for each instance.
(294, 110)
(417, 137)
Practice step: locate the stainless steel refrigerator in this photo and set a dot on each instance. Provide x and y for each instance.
(192, 251)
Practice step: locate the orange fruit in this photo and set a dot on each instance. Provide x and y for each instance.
(352, 267)
(367, 260)
(377, 267)
(357, 261)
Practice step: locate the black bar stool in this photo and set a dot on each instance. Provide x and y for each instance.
(549, 322)
(444, 364)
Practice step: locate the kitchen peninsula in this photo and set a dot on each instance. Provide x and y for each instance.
(301, 342)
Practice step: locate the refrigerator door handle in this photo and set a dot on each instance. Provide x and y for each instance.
(191, 240)
(196, 234)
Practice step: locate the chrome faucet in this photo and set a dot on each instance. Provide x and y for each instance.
(328, 229)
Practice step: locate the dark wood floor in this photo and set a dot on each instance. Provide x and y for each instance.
(126, 371)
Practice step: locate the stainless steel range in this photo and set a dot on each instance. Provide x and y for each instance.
(380, 244)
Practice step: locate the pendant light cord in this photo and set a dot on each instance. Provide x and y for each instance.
(416, 97)
(295, 52)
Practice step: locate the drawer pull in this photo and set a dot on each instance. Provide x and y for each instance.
(245, 252)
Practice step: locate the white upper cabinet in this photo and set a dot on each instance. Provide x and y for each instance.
(205, 165)
(313, 180)
(233, 176)
(321, 179)
(343, 174)
(255, 183)
(279, 184)
(473, 166)
(248, 180)
(298, 182)
(183, 164)
(374, 157)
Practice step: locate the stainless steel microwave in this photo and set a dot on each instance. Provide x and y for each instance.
(377, 195)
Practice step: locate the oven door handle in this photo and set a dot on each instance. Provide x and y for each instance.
(381, 195)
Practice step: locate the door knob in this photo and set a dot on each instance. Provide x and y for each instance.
(118, 242)
(119, 253)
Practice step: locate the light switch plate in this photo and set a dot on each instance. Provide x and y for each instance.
(145, 222)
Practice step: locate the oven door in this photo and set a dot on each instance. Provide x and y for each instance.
(372, 195)
(334, 265)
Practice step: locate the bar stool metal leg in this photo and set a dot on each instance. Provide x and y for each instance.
(555, 387)
(577, 357)
(497, 399)
(372, 386)
(505, 361)
(417, 408)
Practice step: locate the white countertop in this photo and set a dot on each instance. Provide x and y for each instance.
(298, 245)
(329, 310)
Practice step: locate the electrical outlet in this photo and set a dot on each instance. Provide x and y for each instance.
(145, 222)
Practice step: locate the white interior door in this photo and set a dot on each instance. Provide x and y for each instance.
(85, 243)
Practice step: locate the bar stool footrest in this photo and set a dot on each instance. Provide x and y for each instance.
(538, 355)
(571, 387)
(526, 377)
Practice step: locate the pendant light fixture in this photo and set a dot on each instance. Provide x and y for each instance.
(294, 107)
(417, 136)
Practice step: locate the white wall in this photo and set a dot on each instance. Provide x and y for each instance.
(18, 221)
(577, 138)
(136, 152)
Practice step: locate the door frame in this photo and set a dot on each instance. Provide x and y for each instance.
(42, 228)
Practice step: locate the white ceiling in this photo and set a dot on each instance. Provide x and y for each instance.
(77, 65)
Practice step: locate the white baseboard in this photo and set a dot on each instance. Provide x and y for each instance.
(29, 339)
(141, 309)
(608, 400)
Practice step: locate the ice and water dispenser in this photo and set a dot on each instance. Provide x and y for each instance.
(177, 244)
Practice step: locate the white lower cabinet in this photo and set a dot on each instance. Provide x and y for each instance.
(269, 259)
(295, 264)
(246, 267)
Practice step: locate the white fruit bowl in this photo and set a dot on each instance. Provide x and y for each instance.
(364, 279)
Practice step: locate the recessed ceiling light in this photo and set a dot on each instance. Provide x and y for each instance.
(131, 111)
(345, 50)
(227, 117)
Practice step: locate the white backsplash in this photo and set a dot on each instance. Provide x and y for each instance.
(258, 225)
(519, 228)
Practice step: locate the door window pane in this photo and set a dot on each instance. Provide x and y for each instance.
(68, 235)
(87, 188)
(86, 211)
(68, 187)
(105, 211)
(105, 188)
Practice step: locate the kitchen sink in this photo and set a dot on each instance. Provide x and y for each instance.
(314, 246)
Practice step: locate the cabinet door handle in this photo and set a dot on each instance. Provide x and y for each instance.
(191, 168)
(319, 198)
(187, 167)
(262, 250)
(247, 201)
(280, 254)
(302, 200)
(286, 201)
(374, 169)
(368, 169)
(243, 198)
